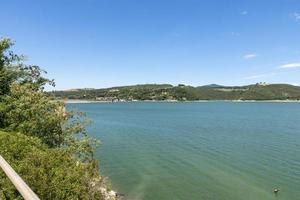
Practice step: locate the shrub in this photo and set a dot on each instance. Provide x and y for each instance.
(51, 173)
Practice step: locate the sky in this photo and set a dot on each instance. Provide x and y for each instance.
(104, 43)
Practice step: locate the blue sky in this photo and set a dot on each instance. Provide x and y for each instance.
(103, 43)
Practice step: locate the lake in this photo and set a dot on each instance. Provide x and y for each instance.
(198, 150)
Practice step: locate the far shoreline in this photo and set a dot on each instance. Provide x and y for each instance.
(80, 101)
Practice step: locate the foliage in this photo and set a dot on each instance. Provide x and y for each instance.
(25, 108)
(12, 69)
(8, 66)
(51, 173)
(53, 151)
(30, 112)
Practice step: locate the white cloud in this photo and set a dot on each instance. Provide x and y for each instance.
(296, 16)
(260, 76)
(250, 56)
(245, 12)
(290, 65)
(255, 76)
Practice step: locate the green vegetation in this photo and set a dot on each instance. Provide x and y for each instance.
(183, 93)
(48, 146)
(51, 173)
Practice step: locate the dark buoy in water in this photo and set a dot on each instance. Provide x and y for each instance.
(120, 195)
(276, 190)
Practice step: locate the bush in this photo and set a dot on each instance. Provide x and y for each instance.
(51, 173)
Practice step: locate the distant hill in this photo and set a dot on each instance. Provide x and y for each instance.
(212, 86)
(182, 92)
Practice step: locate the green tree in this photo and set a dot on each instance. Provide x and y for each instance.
(25, 108)
(47, 145)
(8, 66)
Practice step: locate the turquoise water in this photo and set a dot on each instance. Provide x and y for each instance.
(185, 151)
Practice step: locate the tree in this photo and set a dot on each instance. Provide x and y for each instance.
(25, 108)
(8, 66)
(47, 145)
